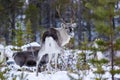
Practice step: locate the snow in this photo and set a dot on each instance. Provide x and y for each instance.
(24, 47)
(53, 75)
(60, 75)
(8, 50)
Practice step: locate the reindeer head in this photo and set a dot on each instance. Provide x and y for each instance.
(69, 27)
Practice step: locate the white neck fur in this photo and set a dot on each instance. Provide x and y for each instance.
(64, 38)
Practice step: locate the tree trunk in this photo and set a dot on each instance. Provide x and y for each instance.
(12, 26)
(79, 14)
(112, 47)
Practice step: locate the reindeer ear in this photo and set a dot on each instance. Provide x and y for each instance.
(74, 25)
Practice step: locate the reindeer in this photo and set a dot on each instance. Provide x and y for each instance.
(52, 42)
(26, 58)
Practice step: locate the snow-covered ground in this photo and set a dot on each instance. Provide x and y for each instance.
(70, 58)
(58, 75)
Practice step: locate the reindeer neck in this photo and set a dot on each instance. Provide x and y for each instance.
(64, 37)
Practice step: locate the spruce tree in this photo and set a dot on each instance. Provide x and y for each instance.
(3, 71)
(98, 61)
(32, 16)
(28, 32)
(103, 13)
(18, 41)
(82, 63)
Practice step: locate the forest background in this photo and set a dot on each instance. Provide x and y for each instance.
(24, 21)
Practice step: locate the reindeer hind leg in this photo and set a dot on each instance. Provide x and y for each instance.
(56, 61)
(50, 58)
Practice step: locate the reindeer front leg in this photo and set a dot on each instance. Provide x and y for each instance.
(37, 67)
(38, 62)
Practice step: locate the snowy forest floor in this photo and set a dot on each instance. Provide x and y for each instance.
(71, 73)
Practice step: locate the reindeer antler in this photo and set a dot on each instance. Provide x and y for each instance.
(72, 19)
(58, 11)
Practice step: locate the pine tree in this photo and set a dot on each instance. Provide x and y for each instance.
(103, 16)
(97, 61)
(82, 66)
(28, 32)
(3, 72)
(18, 41)
(19, 35)
(9, 13)
(32, 15)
